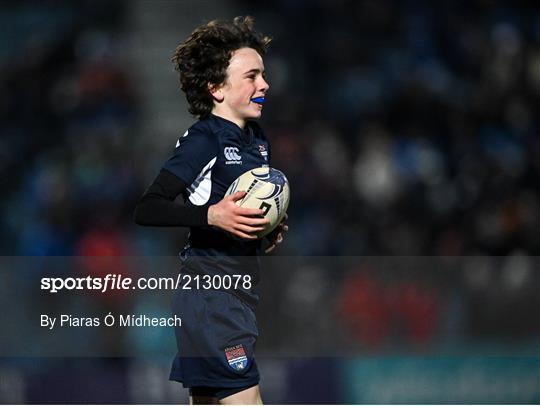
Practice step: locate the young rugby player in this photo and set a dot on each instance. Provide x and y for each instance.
(222, 74)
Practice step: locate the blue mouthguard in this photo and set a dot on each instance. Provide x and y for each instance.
(259, 100)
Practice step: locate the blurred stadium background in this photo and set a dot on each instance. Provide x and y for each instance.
(410, 133)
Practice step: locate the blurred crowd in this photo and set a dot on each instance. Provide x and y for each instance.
(67, 112)
(405, 128)
(410, 129)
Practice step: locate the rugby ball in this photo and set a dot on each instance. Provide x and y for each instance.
(267, 189)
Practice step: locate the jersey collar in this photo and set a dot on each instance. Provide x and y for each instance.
(245, 134)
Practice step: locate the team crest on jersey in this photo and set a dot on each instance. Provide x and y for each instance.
(231, 156)
(236, 357)
(263, 151)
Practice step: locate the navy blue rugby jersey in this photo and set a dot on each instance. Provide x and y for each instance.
(209, 156)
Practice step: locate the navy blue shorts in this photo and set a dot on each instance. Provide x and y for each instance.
(215, 342)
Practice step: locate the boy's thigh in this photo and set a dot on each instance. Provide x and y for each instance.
(226, 396)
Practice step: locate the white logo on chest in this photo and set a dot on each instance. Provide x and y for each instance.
(231, 156)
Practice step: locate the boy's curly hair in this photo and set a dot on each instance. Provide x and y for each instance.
(204, 56)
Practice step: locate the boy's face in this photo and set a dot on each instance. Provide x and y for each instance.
(245, 80)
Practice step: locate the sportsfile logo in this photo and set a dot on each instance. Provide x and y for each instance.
(231, 156)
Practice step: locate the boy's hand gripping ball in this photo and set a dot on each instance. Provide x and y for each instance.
(266, 189)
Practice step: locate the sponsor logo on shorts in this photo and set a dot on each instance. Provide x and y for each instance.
(236, 357)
